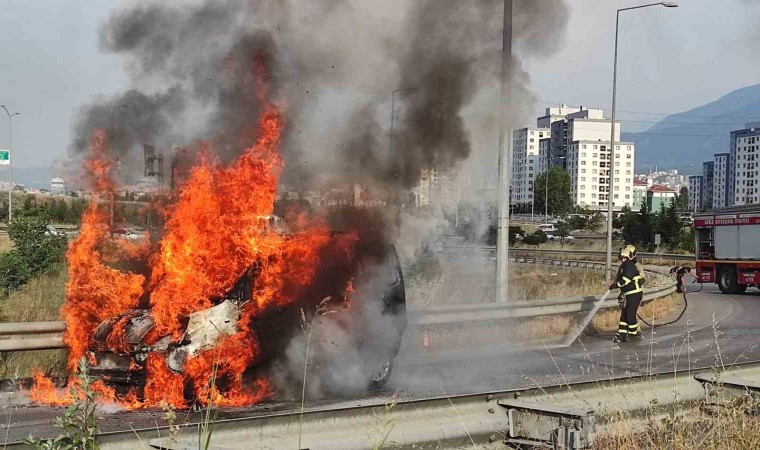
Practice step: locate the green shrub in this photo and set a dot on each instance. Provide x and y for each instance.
(35, 245)
(14, 271)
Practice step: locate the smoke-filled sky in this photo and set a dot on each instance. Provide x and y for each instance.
(56, 60)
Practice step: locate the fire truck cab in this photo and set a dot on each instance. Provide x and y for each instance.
(728, 248)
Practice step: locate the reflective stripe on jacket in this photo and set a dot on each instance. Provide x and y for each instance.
(630, 280)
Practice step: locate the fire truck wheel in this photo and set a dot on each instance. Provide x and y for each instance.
(727, 281)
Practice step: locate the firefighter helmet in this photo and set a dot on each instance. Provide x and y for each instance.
(629, 251)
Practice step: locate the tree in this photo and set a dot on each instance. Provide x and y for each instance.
(646, 227)
(35, 245)
(578, 222)
(537, 238)
(563, 231)
(560, 184)
(669, 224)
(683, 198)
(514, 232)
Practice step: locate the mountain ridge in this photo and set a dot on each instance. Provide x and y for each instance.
(686, 139)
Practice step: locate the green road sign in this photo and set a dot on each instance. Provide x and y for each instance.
(5, 157)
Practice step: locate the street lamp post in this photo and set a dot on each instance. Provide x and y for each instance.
(611, 171)
(10, 161)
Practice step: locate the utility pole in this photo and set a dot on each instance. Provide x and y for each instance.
(505, 146)
(10, 162)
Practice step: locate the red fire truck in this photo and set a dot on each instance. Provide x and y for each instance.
(728, 248)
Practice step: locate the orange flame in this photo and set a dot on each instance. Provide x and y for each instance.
(217, 229)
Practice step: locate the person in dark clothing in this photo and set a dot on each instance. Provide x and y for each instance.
(679, 273)
(630, 281)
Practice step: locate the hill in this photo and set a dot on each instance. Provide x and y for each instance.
(682, 141)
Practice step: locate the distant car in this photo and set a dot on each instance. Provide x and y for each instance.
(547, 227)
(127, 234)
(52, 231)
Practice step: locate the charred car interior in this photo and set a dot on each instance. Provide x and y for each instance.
(375, 303)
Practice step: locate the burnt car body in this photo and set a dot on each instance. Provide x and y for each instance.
(378, 324)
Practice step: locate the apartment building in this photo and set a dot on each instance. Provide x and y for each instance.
(745, 170)
(525, 162)
(708, 172)
(695, 192)
(721, 186)
(588, 163)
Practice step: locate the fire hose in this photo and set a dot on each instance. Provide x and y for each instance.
(684, 291)
(570, 339)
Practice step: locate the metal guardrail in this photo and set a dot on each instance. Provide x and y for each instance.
(515, 251)
(28, 336)
(476, 312)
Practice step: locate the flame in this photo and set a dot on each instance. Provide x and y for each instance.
(217, 229)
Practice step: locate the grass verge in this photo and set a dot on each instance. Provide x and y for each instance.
(657, 310)
(705, 427)
(38, 301)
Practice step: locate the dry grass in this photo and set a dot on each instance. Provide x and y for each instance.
(656, 310)
(40, 300)
(463, 282)
(458, 337)
(5, 243)
(730, 426)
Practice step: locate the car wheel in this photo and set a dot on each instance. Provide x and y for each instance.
(381, 372)
(727, 281)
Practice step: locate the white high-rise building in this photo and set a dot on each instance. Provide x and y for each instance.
(569, 124)
(745, 162)
(525, 162)
(588, 163)
(695, 192)
(720, 181)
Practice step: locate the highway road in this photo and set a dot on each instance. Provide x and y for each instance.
(717, 330)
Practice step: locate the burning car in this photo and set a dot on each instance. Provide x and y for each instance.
(375, 311)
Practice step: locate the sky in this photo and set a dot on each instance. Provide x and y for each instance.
(671, 60)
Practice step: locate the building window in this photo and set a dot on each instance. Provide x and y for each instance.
(583, 146)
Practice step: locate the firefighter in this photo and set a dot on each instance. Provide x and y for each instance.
(630, 281)
(680, 272)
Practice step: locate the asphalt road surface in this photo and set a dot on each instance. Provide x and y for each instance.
(717, 330)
